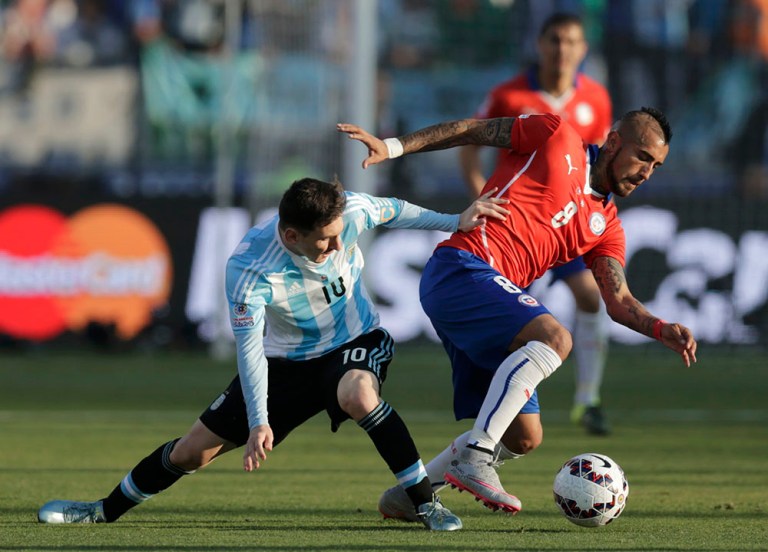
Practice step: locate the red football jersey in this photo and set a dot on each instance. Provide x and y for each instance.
(554, 214)
(587, 107)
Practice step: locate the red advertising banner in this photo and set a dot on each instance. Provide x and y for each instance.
(106, 263)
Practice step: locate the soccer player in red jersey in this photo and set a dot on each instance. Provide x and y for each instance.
(555, 85)
(501, 341)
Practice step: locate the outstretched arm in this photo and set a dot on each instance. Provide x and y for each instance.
(481, 132)
(628, 311)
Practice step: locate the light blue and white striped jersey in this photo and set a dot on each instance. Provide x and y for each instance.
(309, 308)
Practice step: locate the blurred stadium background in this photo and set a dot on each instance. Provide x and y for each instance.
(140, 139)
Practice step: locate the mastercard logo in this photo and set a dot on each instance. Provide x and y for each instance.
(106, 263)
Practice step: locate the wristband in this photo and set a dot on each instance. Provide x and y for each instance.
(657, 329)
(394, 147)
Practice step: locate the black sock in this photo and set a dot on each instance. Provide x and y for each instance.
(153, 474)
(395, 445)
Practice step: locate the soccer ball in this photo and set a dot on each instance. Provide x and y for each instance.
(591, 490)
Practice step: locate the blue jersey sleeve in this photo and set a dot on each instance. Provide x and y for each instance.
(396, 213)
(246, 314)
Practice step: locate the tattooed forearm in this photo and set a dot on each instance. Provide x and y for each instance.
(490, 132)
(609, 275)
(621, 305)
(641, 320)
(615, 275)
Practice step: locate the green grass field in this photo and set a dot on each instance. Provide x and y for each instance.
(693, 442)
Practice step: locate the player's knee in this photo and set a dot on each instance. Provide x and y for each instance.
(523, 443)
(188, 457)
(524, 446)
(559, 340)
(358, 394)
(547, 330)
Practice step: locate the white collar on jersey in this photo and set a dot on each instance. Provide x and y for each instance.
(592, 152)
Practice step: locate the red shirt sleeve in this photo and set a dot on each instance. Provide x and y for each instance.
(529, 132)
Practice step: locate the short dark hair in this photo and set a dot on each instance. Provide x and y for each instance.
(310, 203)
(666, 128)
(560, 18)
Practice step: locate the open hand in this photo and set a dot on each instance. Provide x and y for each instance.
(377, 149)
(259, 442)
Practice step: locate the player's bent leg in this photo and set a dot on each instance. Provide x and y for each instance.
(545, 343)
(358, 393)
(358, 396)
(198, 448)
(155, 473)
(394, 503)
(524, 435)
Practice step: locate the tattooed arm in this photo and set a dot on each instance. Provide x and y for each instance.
(623, 308)
(481, 132)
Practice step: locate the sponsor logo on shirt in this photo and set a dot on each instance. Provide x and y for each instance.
(294, 289)
(597, 223)
(570, 166)
(244, 322)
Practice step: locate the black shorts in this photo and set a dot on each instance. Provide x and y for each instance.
(297, 390)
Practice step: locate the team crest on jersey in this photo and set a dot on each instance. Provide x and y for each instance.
(350, 252)
(387, 213)
(584, 113)
(528, 300)
(597, 223)
(240, 309)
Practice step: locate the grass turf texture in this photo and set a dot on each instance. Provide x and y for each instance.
(693, 443)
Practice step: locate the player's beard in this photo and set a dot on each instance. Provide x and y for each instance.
(605, 182)
(612, 181)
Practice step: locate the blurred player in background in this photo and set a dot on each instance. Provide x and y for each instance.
(555, 85)
(299, 275)
(502, 341)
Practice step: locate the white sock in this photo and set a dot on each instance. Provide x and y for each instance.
(503, 453)
(590, 345)
(512, 385)
(437, 467)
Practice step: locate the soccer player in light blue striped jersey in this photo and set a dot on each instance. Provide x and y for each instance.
(308, 339)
